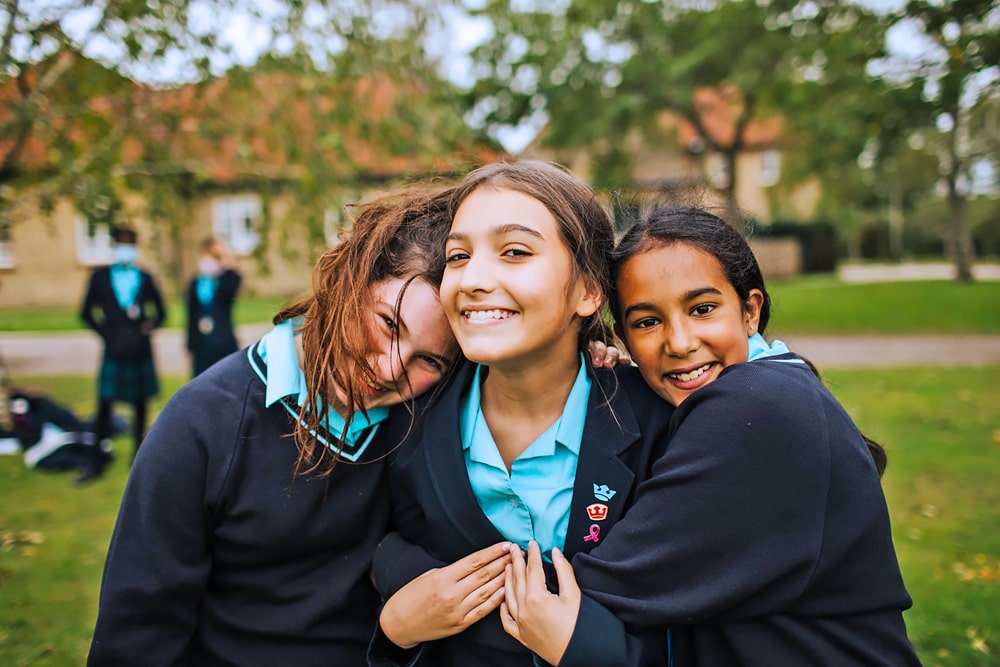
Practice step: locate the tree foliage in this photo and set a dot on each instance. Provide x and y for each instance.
(97, 99)
(959, 80)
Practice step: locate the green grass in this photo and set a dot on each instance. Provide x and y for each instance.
(248, 310)
(940, 427)
(942, 432)
(53, 538)
(808, 305)
(822, 305)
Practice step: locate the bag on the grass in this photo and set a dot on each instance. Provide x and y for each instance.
(52, 437)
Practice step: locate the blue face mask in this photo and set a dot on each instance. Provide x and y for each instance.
(126, 254)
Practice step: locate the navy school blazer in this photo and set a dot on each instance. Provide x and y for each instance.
(438, 520)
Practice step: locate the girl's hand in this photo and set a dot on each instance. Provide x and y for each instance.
(607, 355)
(445, 601)
(543, 622)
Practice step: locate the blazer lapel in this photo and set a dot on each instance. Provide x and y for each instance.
(603, 481)
(445, 466)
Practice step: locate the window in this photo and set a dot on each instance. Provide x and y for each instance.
(236, 220)
(7, 260)
(93, 242)
(770, 168)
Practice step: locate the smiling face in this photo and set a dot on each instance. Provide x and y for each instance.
(510, 288)
(410, 351)
(681, 319)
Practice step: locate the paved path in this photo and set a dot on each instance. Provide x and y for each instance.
(78, 353)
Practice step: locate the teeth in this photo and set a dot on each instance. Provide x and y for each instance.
(687, 377)
(368, 382)
(483, 315)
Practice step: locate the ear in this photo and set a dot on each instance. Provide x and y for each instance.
(751, 310)
(591, 300)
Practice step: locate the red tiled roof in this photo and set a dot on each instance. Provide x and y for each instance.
(719, 109)
(271, 123)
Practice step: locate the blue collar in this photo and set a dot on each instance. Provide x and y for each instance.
(567, 431)
(759, 348)
(283, 379)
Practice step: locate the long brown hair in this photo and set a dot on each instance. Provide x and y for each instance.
(397, 235)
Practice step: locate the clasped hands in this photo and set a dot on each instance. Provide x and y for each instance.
(445, 601)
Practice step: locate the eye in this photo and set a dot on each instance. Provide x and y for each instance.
(703, 309)
(453, 256)
(433, 362)
(390, 323)
(515, 252)
(645, 323)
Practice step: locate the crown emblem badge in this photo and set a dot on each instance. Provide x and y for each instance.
(597, 512)
(603, 492)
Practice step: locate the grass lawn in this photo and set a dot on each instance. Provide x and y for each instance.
(940, 426)
(808, 305)
(248, 310)
(822, 305)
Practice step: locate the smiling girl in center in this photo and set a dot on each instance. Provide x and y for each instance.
(527, 443)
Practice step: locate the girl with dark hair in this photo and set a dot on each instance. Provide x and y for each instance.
(123, 306)
(763, 536)
(526, 444)
(246, 531)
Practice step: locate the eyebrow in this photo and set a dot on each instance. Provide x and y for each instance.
(688, 296)
(500, 230)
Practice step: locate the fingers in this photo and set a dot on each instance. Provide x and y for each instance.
(495, 557)
(621, 355)
(490, 596)
(598, 353)
(509, 624)
(534, 572)
(565, 575)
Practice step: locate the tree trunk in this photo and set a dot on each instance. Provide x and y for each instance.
(959, 240)
(732, 211)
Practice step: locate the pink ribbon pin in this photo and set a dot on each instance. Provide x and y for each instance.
(595, 532)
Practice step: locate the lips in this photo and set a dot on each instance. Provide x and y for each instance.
(688, 376)
(371, 387)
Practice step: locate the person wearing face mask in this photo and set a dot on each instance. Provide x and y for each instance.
(210, 298)
(122, 305)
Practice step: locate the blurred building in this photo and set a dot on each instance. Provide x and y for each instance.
(671, 161)
(237, 157)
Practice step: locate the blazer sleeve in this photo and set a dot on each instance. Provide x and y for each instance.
(397, 562)
(92, 300)
(228, 287)
(191, 312)
(730, 524)
(601, 639)
(159, 559)
(153, 296)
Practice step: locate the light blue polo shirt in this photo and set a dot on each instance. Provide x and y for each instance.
(284, 379)
(533, 501)
(125, 281)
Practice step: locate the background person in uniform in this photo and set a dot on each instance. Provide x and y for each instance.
(210, 298)
(123, 305)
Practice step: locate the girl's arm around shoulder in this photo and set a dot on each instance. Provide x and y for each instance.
(731, 520)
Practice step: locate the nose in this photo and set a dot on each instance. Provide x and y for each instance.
(679, 340)
(393, 364)
(476, 275)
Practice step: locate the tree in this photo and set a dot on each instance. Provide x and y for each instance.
(100, 98)
(959, 80)
(601, 67)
